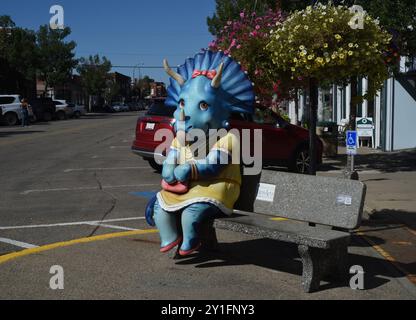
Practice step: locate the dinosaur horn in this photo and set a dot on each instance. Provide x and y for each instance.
(172, 73)
(216, 82)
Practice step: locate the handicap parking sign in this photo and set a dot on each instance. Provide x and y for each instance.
(351, 142)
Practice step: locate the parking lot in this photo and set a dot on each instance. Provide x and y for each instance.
(60, 179)
(76, 180)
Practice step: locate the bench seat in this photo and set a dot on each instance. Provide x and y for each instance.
(291, 231)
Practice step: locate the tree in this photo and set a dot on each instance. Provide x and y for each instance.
(245, 39)
(93, 71)
(142, 87)
(55, 56)
(319, 44)
(111, 91)
(18, 56)
(227, 10)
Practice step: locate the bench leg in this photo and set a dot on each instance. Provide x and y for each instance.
(339, 262)
(311, 275)
(318, 263)
(209, 237)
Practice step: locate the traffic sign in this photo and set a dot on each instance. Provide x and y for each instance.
(351, 142)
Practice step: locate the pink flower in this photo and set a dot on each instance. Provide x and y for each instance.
(242, 15)
(257, 27)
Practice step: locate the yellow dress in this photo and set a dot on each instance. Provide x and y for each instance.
(221, 191)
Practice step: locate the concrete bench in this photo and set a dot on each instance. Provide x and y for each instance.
(316, 213)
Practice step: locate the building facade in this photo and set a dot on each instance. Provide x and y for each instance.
(393, 110)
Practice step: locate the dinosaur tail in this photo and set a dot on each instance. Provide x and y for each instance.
(149, 211)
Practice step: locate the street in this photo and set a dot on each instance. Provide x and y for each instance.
(68, 185)
(56, 176)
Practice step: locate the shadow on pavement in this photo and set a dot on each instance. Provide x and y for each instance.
(386, 162)
(283, 257)
(389, 217)
(13, 133)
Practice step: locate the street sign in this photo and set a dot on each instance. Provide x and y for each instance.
(365, 127)
(351, 142)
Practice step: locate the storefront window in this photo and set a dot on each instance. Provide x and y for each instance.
(326, 107)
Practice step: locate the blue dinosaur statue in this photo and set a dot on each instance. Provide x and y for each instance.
(205, 91)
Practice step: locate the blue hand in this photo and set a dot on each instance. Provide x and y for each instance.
(168, 173)
(183, 172)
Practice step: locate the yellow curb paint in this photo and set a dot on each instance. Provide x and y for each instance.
(26, 252)
(279, 219)
(388, 257)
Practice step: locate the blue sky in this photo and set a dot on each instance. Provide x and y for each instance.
(128, 32)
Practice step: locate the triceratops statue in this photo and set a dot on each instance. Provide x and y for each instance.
(205, 91)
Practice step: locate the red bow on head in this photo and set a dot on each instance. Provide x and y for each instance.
(210, 74)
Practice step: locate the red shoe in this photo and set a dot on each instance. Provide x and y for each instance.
(171, 246)
(188, 252)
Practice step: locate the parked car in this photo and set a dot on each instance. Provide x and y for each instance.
(43, 109)
(11, 112)
(77, 110)
(284, 144)
(63, 111)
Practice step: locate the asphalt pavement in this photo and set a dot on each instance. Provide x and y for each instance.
(73, 195)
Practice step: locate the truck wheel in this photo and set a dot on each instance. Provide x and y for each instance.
(157, 167)
(11, 119)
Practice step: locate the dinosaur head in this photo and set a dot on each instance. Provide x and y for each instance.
(206, 90)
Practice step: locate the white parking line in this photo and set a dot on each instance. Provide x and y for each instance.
(104, 169)
(26, 192)
(112, 226)
(117, 147)
(18, 243)
(69, 223)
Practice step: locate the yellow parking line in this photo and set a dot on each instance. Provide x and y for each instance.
(279, 219)
(388, 257)
(14, 255)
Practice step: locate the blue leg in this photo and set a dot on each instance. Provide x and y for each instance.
(192, 218)
(168, 230)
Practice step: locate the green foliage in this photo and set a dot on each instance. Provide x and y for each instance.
(227, 10)
(55, 55)
(396, 16)
(244, 39)
(18, 57)
(142, 87)
(93, 71)
(320, 43)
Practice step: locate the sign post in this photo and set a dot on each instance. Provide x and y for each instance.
(351, 143)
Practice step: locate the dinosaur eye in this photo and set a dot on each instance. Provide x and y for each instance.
(182, 103)
(203, 105)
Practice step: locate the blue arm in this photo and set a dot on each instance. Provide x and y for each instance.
(169, 167)
(207, 168)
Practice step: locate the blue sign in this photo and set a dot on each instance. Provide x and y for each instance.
(351, 142)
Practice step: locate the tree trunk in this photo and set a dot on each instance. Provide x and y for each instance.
(353, 103)
(313, 115)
